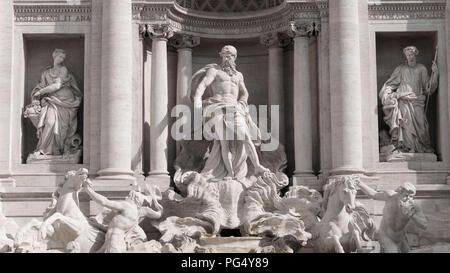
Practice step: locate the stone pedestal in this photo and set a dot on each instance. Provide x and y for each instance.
(231, 244)
(303, 174)
(6, 56)
(116, 99)
(345, 87)
(159, 105)
(401, 157)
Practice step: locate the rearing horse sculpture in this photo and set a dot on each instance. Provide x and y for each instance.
(65, 222)
(345, 221)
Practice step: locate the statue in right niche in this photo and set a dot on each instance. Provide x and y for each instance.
(405, 98)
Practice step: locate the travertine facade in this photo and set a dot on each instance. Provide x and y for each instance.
(323, 62)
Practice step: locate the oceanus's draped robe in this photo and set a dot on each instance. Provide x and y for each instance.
(235, 120)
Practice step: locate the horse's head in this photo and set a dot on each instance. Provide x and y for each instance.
(344, 187)
(74, 179)
(347, 193)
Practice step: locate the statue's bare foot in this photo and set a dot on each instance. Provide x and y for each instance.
(229, 176)
(261, 169)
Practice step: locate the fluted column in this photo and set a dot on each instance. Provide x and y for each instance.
(275, 43)
(345, 87)
(447, 30)
(6, 53)
(324, 92)
(184, 44)
(116, 95)
(159, 33)
(303, 174)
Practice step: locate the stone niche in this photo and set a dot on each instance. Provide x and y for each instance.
(389, 55)
(38, 49)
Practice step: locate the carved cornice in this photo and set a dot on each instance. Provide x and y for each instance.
(228, 5)
(146, 12)
(52, 13)
(275, 39)
(305, 10)
(246, 27)
(155, 31)
(405, 11)
(303, 29)
(180, 41)
(322, 5)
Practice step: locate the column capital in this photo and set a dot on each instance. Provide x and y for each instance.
(155, 31)
(181, 41)
(275, 39)
(303, 29)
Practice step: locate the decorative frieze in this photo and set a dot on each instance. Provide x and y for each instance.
(406, 11)
(160, 12)
(305, 10)
(322, 5)
(61, 13)
(150, 12)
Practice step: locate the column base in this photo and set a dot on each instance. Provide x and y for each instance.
(114, 182)
(308, 180)
(346, 171)
(113, 177)
(7, 182)
(369, 180)
(158, 179)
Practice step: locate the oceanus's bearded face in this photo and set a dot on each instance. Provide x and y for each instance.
(229, 64)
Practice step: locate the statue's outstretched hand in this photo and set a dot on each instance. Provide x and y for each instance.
(87, 183)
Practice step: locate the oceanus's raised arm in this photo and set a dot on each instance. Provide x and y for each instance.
(206, 81)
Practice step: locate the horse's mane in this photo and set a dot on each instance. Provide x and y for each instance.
(329, 190)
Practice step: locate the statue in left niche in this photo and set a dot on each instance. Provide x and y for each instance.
(53, 111)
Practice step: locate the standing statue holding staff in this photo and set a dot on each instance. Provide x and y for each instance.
(404, 98)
